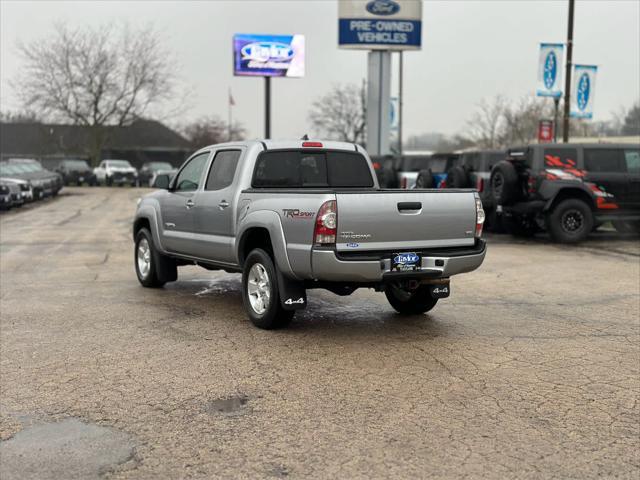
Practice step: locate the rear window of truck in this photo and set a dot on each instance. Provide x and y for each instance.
(305, 169)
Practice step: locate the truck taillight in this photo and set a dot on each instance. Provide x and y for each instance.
(479, 217)
(480, 184)
(326, 224)
(403, 182)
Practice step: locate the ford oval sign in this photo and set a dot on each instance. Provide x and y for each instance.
(550, 70)
(406, 258)
(266, 51)
(383, 7)
(584, 87)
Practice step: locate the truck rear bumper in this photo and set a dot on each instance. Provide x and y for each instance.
(375, 267)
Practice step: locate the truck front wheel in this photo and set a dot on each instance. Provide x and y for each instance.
(260, 293)
(408, 302)
(145, 260)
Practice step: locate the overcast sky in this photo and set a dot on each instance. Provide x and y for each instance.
(470, 50)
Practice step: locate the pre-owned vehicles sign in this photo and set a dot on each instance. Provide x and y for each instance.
(380, 24)
(268, 55)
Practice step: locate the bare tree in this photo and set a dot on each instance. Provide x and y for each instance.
(521, 120)
(211, 130)
(631, 124)
(341, 113)
(19, 116)
(485, 126)
(95, 77)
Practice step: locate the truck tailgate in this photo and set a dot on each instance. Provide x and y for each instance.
(400, 220)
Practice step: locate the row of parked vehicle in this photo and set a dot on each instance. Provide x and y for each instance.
(25, 180)
(568, 190)
(112, 172)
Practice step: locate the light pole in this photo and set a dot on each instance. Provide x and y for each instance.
(567, 83)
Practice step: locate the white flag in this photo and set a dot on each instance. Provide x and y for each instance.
(583, 91)
(550, 70)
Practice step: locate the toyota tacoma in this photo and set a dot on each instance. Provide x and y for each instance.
(297, 215)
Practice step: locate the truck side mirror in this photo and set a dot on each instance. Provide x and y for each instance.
(162, 180)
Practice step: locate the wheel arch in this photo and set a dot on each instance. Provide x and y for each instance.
(259, 229)
(564, 193)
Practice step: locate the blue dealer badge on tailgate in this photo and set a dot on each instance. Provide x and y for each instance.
(406, 258)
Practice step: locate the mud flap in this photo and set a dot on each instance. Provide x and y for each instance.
(293, 295)
(440, 291)
(165, 267)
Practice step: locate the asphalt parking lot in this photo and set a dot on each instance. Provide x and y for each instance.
(530, 370)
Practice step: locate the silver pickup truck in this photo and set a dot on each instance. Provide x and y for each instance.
(295, 215)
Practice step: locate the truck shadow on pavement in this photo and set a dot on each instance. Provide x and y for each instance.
(326, 315)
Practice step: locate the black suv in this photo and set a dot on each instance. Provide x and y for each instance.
(568, 189)
(76, 171)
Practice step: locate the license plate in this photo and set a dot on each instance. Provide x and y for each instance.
(405, 262)
(81, 179)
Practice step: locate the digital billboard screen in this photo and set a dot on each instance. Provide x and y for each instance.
(268, 55)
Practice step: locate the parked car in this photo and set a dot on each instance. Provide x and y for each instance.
(10, 195)
(31, 185)
(435, 175)
(116, 172)
(76, 172)
(45, 181)
(149, 170)
(568, 188)
(295, 215)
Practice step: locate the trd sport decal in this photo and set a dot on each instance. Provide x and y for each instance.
(296, 213)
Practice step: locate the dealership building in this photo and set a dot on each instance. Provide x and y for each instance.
(142, 141)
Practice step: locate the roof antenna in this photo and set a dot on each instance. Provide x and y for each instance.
(305, 137)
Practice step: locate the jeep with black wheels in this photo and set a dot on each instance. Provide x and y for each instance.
(568, 189)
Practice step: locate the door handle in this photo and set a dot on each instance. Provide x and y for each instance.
(190, 203)
(223, 204)
(402, 206)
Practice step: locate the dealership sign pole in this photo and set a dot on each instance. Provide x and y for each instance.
(380, 26)
(268, 56)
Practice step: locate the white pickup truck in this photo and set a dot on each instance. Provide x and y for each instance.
(296, 215)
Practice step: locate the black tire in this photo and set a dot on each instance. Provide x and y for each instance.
(108, 181)
(626, 226)
(416, 302)
(149, 279)
(504, 185)
(274, 316)
(570, 221)
(458, 177)
(425, 179)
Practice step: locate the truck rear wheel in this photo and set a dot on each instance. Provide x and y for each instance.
(260, 293)
(407, 302)
(570, 221)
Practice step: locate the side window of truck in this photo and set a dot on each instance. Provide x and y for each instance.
(632, 159)
(189, 177)
(604, 160)
(223, 169)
